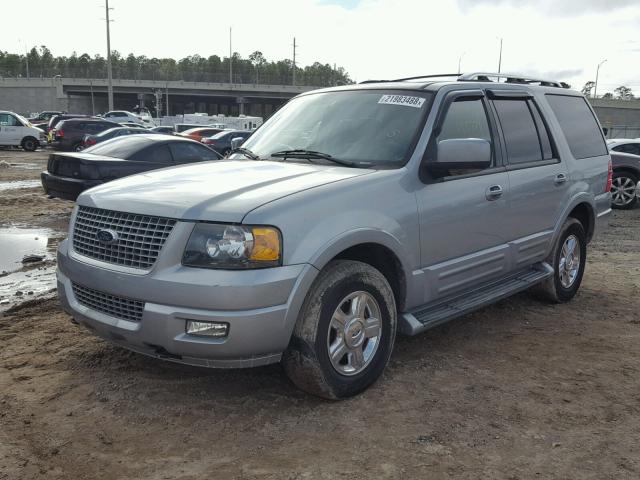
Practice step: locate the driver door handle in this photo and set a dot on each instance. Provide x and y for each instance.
(494, 192)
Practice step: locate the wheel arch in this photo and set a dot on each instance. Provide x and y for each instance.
(377, 248)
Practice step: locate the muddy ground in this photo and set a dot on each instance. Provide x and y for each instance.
(519, 390)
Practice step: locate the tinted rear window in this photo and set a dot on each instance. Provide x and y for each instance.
(579, 125)
(120, 147)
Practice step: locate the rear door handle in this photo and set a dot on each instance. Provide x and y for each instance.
(493, 192)
(560, 179)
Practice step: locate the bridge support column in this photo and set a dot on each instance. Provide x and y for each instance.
(241, 101)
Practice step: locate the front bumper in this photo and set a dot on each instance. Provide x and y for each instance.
(65, 187)
(260, 306)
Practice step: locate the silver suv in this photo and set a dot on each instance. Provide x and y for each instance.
(353, 213)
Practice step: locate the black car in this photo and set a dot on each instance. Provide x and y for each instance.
(626, 174)
(68, 174)
(221, 142)
(91, 140)
(68, 134)
(164, 129)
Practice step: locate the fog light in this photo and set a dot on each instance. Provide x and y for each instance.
(207, 329)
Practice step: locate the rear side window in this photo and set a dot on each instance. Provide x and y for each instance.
(579, 125)
(524, 134)
(155, 154)
(188, 152)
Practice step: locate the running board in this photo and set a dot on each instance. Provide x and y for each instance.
(429, 316)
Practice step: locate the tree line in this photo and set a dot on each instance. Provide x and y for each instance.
(40, 62)
(621, 93)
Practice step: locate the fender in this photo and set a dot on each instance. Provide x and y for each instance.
(582, 197)
(350, 238)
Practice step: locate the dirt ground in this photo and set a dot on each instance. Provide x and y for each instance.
(519, 390)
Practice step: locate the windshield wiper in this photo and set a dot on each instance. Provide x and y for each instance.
(308, 154)
(246, 152)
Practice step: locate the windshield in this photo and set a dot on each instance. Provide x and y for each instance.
(367, 127)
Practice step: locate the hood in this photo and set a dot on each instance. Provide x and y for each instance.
(222, 191)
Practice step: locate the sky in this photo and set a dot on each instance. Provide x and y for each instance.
(372, 39)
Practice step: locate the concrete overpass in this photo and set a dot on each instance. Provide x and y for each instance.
(84, 95)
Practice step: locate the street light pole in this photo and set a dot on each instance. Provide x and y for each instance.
(500, 57)
(595, 89)
(460, 61)
(230, 59)
(109, 73)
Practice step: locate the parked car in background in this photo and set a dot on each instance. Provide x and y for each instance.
(164, 129)
(68, 174)
(625, 188)
(145, 115)
(43, 117)
(624, 145)
(200, 132)
(56, 119)
(353, 213)
(181, 127)
(16, 131)
(221, 142)
(131, 124)
(90, 140)
(121, 116)
(68, 134)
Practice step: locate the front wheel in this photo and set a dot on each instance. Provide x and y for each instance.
(345, 333)
(568, 259)
(30, 144)
(623, 190)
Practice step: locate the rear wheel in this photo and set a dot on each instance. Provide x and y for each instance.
(345, 333)
(30, 144)
(77, 147)
(568, 259)
(623, 190)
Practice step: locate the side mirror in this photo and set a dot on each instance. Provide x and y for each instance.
(236, 142)
(461, 153)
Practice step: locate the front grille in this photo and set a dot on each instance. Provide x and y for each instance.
(140, 237)
(118, 307)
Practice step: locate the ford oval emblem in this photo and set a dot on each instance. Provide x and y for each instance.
(107, 237)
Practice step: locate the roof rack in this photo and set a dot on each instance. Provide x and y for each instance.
(510, 78)
(484, 77)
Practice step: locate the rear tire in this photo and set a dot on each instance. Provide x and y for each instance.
(568, 259)
(623, 190)
(77, 147)
(29, 144)
(345, 333)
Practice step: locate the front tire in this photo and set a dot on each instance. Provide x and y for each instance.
(29, 144)
(345, 332)
(623, 190)
(568, 259)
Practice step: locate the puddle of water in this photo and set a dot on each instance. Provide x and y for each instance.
(31, 279)
(16, 243)
(19, 184)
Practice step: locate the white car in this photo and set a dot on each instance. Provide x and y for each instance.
(624, 145)
(122, 116)
(16, 131)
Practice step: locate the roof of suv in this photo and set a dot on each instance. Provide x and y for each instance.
(479, 80)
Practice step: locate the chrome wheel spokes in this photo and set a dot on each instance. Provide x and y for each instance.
(623, 191)
(354, 333)
(569, 264)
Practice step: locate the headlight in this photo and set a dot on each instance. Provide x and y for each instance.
(233, 247)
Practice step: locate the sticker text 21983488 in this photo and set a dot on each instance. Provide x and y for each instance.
(405, 100)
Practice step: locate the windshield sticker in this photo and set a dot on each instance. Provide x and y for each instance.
(405, 100)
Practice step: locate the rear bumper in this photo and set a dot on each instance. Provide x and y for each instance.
(65, 187)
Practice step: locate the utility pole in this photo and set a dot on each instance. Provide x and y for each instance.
(294, 61)
(26, 59)
(460, 61)
(500, 57)
(109, 73)
(167, 95)
(230, 59)
(595, 91)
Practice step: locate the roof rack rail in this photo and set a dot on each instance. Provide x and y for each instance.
(510, 78)
(426, 76)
